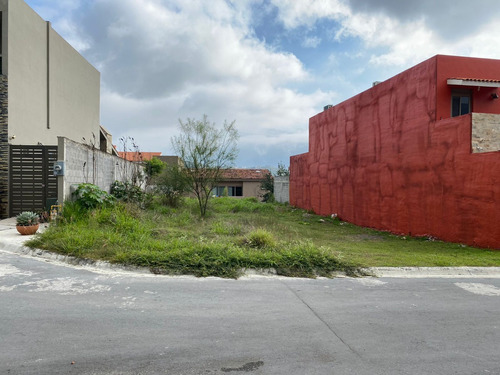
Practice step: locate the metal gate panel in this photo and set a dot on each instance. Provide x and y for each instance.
(31, 181)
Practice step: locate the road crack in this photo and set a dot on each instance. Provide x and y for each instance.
(330, 328)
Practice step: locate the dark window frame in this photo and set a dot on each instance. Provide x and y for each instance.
(461, 102)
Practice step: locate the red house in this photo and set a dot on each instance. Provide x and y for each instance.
(417, 154)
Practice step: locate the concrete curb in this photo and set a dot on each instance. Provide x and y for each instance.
(12, 242)
(437, 272)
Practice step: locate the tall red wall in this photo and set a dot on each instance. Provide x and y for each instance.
(381, 160)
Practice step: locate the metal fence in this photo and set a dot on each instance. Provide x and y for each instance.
(32, 185)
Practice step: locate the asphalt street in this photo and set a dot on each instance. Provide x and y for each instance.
(61, 319)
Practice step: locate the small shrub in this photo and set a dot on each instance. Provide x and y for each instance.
(267, 185)
(169, 196)
(90, 196)
(127, 192)
(260, 238)
(269, 198)
(27, 218)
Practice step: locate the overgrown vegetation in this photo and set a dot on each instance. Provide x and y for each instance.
(127, 192)
(237, 234)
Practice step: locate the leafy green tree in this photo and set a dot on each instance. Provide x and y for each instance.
(153, 167)
(205, 151)
(282, 170)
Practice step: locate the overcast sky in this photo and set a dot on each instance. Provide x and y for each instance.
(269, 65)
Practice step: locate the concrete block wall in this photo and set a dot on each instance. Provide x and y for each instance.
(281, 189)
(86, 165)
(4, 149)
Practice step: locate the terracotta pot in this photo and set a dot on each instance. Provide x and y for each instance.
(29, 229)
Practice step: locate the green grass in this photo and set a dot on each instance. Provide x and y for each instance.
(239, 234)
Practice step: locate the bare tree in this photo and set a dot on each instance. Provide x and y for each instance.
(132, 171)
(205, 151)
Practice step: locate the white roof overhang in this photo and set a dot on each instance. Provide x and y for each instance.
(473, 82)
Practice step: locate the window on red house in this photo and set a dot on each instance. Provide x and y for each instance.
(460, 102)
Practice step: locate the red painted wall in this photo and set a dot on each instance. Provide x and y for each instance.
(381, 160)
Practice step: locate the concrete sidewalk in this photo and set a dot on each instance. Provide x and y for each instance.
(12, 241)
(9, 236)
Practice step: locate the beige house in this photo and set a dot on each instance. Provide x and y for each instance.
(52, 90)
(47, 89)
(242, 183)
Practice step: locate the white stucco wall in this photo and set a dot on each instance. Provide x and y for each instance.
(49, 96)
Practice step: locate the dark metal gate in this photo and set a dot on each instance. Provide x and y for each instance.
(32, 185)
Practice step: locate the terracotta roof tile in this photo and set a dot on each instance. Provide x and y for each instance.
(137, 156)
(244, 174)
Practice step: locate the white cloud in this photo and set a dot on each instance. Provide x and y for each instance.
(295, 13)
(161, 61)
(311, 42)
(402, 33)
(162, 50)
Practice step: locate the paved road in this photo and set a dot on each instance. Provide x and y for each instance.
(58, 319)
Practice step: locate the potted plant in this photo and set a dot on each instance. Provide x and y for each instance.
(27, 222)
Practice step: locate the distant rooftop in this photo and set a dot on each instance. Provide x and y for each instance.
(244, 174)
(137, 156)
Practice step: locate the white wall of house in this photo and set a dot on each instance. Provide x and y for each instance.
(52, 90)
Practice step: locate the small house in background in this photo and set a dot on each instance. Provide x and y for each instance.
(417, 154)
(241, 183)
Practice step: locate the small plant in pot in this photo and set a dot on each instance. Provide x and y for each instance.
(27, 222)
